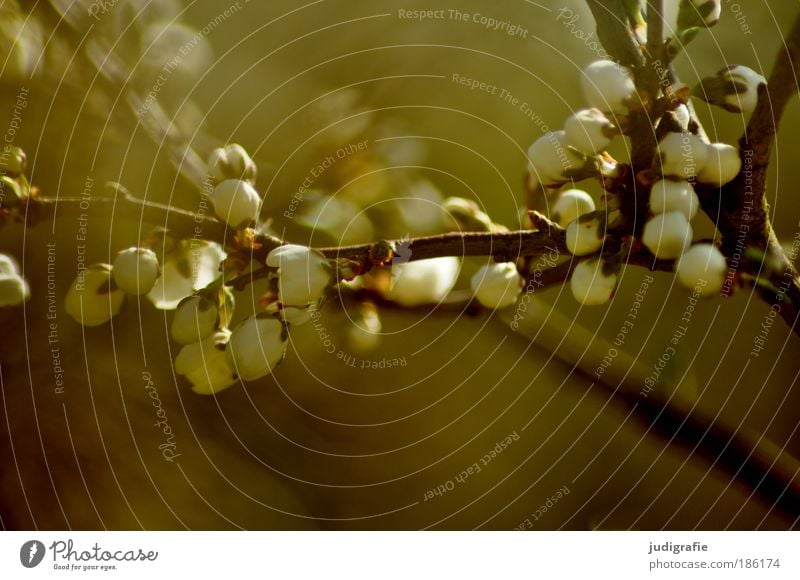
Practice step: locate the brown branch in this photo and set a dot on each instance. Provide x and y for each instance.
(655, 31)
(648, 84)
(760, 134)
(741, 210)
(746, 456)
(360, 259)
(183, 224)
(614, 32)
(504, 246)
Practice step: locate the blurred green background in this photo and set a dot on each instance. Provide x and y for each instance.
(320, 444)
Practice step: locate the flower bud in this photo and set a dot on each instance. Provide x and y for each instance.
(292, 314)
(570, 205)
(236, 202)
(423, 281)
(702, 268)
(303, 274)
(12, 192)
(205, 365)
(343, 221)
(14, 290)
(468, 215)
(161, 42)
(364, 334)
(231, 162)
(22, 44)
(682, 116)
(187, 267)
(723, 165)
(583, 236)
(698, 13)
(607, 86)
(8, 266)
(667, 196)
(13, 161)
(256, 347)
(683, 155)
(497, 286)
(136, 270)
(734, 88)
(93, 299)
(667, 235)
(551, 161)
(592, 283)
(589, 131)
(195, 319)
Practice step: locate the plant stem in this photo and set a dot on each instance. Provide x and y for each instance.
(752, 227)
(614, 32)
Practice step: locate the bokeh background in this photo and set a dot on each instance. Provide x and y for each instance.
(320, 444)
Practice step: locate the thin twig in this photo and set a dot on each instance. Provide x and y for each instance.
(753, 228)
(614, 32)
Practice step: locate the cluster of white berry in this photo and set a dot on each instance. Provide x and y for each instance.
(578, 152)
(213, 357)
(98, 292)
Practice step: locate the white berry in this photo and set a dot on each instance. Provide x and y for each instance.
(236, 202)
(723, 165)
(8, 266)
(591, 284)
(204, 364)
(303, 274)
(92, 299)
(607, 86)
(195, 319)
(667, 235)
(497, 286)
(702, 268)
(570, 205)
(364, 334)
(12, 160)
(683, 116)
(191, 265)
(14, 290)
(667, 196)
(696, 13)
(584, 237)
(743, 96)
(589, 131)
(292, 314)
(231, 162)
(136, 270)
(423, 281)
(256, 347)
(550, 161)
(683, 155)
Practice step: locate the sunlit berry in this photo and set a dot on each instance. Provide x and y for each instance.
(136, 270)
(667, 235)
(497, 286)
